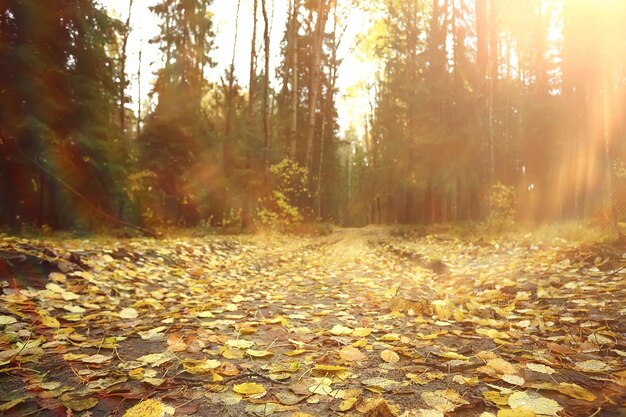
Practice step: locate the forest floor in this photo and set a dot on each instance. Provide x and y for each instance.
(360, 322)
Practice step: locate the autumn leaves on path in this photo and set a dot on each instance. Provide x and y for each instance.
(355, 323)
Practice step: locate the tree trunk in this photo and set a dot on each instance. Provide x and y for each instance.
(227, 158)
(266, 97)
(247, 204)
(314, 84)
(123, 59)
(493, 79)
(139, 89)
(291, 152)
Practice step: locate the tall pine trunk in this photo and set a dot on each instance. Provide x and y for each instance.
(246, 216)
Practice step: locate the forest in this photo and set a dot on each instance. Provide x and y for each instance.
(313, 208)
(476, 109)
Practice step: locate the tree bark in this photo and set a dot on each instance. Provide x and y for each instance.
(314, 84)
(266, 93)
(139, 89)
(246, 212)
(294, 81)
(123, 59)
(227, 158)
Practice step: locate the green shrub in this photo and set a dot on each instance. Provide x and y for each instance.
(501, 207)
(279, 211)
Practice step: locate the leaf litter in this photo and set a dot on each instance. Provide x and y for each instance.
(357, 323)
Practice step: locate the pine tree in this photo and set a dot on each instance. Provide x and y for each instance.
(62, 157)
(177, 134)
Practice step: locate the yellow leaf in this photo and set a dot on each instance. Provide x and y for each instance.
(543, 369)
(74, 356)
(296, 352)
(360, 343)
(249, 388)
(362, 332)
(347, 404)
(150, 408)
(390, 337)
(153, 334)
(513, 379)
(128, 313)
(202, 367)
(330, 368)
(8, 405)
(496, 398)
(462, 380)
(259, 353)
(427, 413)
(339, 330)
(535, 403)
(454, 355)
(516, 412)
(50, 321)
(240, 344)
(350, 354)
(96, 359)
(576, 391)
(136, 373)
(389, 356)
(501, 366)
(418, 379)
(593, 366)
(6, 320)
(81, 404)
(443, 400)
(571, 390)
(492, 333)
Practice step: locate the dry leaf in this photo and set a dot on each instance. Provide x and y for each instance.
(517, 412)
(389, 356)
(534, 402)
(128, 313)
(543, 369)
(351, 354)
(150, 408)
(339, 330)
(443, 400)
(249, 388)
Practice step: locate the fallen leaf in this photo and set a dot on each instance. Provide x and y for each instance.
(259, 353)
(6, 320)
(339, 330)
(443, 400)
(50, 321)
(362, 332)
(513, 379)
(389, 356)
(240, 343)
(534, 402)
(347, 404)
(150, 408)
(10, 404)
(571, 390)
(97, 359)
(516, 412)
(128, 313)
(543, 369)
(592, 366)
(249, 388)
(81, 404)
(351, 354)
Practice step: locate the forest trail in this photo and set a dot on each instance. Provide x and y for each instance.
(360, 322)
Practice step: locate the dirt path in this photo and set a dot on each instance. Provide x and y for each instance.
(355, 323)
